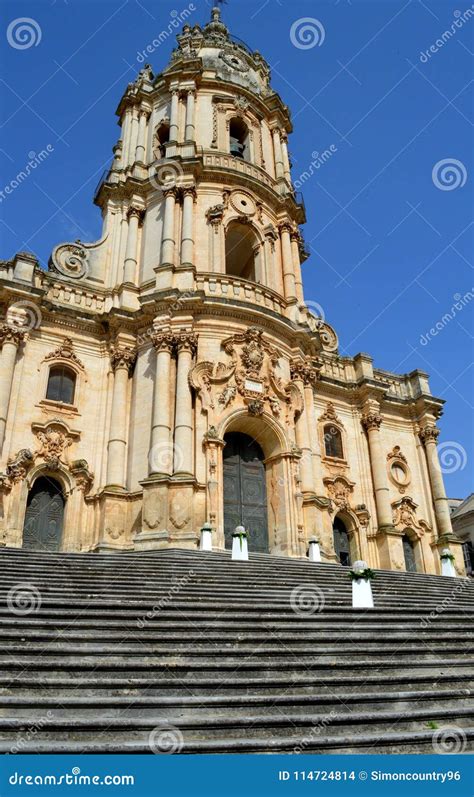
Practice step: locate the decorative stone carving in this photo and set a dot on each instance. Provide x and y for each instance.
(215, 214)
(12, 334)
(339, 490)
(371, 420)
(122, 357)
(234, 61)
(65, 352)
(429, 433)
(54, 438)
(404, 516)
(114, 533)
(243, 204)
(186, 341)
(227, 395)
(329, 415)
(71, 260)
(179, 515)
(18, 466)
(308, 372)
(398, 470)
(396, 454)
(363, 514)
(84, 478)
(153, 507)
(162, 341)
(255, 407)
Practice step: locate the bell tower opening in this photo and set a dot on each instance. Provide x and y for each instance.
(239, 139)
(240, 245)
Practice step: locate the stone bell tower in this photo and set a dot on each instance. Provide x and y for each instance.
(172, 375)
(203, 225)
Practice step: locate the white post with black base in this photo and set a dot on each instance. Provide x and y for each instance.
(447, 563)
(240, 549)
(314, 551)
(362, 597)
(205, 543)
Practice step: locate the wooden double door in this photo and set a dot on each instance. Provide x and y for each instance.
(44, 516)
(245, 493)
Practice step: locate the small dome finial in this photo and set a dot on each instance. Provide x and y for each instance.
(216, 14)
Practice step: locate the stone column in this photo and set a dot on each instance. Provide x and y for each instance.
(189, 132)
(287, 258)
(274, 277)
(174, 116)
(295, 246)
(371, 422)
(183, 423)
(122, 360)
(11, 339)
(130, 266)
(160, 458)
(187, 240)
(429, 435)
(140, 152)
(279, 168)
(168, 242)
(133, 135)
(214, 219)
(286, 159)
(126, 138)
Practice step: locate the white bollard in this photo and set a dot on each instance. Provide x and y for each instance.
(205, 543)
(447, 563)
(240, 549)
(314, 552)
(362, 597)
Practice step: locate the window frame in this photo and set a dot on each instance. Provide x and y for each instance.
(65, 370)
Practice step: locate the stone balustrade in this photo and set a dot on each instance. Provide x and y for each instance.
(224, 286)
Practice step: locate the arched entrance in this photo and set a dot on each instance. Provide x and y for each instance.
(341, 541)
(245, 493)
(43, 525)
(409, 554)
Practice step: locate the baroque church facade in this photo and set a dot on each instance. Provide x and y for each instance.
(170, 375)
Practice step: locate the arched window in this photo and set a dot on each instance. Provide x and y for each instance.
(333, 442)
(341, 542)
(240, 246)
(162, 136)
(239, 139)
(61, 384)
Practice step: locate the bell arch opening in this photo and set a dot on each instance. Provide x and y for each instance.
(241, 251)
(44, 517)
(239, 139)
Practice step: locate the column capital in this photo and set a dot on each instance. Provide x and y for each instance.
(186, 341)
(12, 334)
(285, 226)
(163, 341)
(371, 420)
(308, 374)
(122, 357)
(173, 191)
(429, 434)
(139, 213)
(189, 190)
(145, 112)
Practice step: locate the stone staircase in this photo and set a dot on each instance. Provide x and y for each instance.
(192, 652)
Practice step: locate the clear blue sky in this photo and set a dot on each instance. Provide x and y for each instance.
(389, 249)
